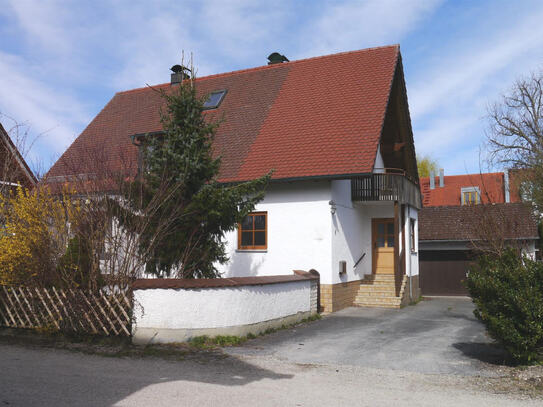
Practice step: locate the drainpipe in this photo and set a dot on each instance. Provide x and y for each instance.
(408, 208)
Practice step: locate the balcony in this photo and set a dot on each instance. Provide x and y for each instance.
(393, 185)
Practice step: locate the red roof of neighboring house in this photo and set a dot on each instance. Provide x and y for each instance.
(476, 222)
(491, 187)
(13, 167)
(314, 117)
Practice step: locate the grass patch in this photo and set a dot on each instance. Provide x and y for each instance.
(416, 301)
(198, 348)
(207, 342)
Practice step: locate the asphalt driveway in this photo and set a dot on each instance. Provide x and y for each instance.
(439, 335)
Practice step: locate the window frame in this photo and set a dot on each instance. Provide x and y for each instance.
(265, 230)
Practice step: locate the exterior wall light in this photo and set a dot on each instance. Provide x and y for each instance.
(332, 207)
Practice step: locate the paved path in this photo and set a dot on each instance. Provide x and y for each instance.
(46, 377)
(436, 336)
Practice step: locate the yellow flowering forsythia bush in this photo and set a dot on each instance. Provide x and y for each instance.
(34, 231)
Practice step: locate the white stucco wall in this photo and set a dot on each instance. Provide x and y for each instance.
(303, 233)
(299, 233)
(412, 214)
(207, 308)
(379, 166)
(351, 232)
(529, 249)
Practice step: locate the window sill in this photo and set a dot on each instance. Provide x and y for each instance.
(251, 251)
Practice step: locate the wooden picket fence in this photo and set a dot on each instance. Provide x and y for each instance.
(66, 310)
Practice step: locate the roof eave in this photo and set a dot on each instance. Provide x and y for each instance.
(474, 240)
(15, 151)
(327, 177)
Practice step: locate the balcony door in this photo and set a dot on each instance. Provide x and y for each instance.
(383, 245)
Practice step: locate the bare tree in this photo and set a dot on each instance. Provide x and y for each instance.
(515, 136)
(495, 227)
(516, 124)
(105, 233)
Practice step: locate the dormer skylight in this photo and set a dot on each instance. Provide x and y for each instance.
(214, 99)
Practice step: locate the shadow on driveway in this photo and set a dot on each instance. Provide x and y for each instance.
(485, 352)
(52, 377)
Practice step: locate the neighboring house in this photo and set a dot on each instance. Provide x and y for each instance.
(466, 213)
(453, 190)
(13, 168)
(336, 130)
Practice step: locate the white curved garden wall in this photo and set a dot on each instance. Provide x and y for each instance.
(176, 314)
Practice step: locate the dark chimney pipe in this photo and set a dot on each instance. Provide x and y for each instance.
(276, 58)
(180, 73)
(506, 186)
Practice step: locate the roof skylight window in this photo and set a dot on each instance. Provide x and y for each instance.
(214, 99)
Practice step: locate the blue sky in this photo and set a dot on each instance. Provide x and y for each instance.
(61, 61)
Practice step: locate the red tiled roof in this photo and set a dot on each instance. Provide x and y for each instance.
(513, 220)
(13, 167)
(315, 117)
(491, 186)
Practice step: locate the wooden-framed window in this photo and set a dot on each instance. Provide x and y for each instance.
(412, 224)
(253, 232)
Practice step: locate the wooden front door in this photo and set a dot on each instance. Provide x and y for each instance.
(383, 246)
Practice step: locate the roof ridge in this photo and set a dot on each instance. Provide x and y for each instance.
(261, 68)
(479, 205)
(466, 175)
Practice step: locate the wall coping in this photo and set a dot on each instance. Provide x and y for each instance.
(169, 283)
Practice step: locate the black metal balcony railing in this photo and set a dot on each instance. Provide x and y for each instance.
(390, 186)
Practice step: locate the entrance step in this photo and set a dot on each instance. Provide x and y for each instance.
(379, 290)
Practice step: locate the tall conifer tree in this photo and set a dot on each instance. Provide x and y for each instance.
(198, 210)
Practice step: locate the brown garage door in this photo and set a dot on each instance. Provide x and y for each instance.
(442, 271)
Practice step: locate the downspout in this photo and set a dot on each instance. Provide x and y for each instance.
(410, 268)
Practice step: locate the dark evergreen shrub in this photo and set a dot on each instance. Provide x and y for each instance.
(508, 295)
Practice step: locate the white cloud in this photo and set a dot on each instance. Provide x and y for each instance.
(150, 45)
(42, 23)
(460, 75)
(240, 28)
(355, 25)
(26, 98)
(219, 34)
(448, 98)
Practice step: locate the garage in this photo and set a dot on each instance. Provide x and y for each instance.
(447, 235)
(442, 271)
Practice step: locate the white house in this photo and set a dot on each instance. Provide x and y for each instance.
(344, 196)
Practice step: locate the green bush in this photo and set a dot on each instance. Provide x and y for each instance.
(508, 295)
